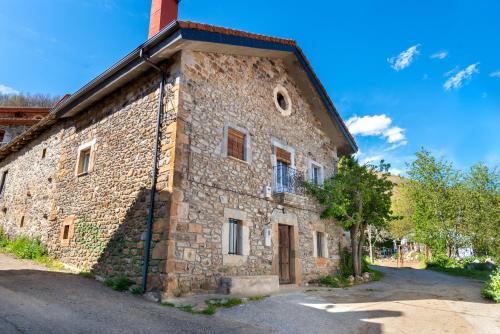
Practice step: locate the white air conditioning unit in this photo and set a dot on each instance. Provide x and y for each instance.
(268, 192)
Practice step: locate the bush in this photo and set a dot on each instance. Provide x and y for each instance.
(4, 241)
(25, 248)
(346, 269)
(443, 261)
(492, 288)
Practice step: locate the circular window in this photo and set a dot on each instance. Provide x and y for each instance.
(282, 100)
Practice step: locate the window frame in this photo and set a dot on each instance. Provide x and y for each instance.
(235, 237)
(321, 173)
(246, 147)
(320, 243)
(3, 182)
(89, 148)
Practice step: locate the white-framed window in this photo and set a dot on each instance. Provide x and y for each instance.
(235, 237)
(85, 158)
(320, 244)
(283, 162)
(237, 143)
(316, 173)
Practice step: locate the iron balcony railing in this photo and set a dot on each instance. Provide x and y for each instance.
(288, 180)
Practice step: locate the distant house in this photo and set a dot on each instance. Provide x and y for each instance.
(196, 144)
(16, 120)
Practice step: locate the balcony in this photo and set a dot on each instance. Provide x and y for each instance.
(288, 185)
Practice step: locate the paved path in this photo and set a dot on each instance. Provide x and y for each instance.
(405, 301)
(33, 300)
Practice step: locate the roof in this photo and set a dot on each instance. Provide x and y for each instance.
(133, 64)
(10, 116)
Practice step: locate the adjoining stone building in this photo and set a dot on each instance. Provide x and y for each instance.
(16, 120)
(232, 123)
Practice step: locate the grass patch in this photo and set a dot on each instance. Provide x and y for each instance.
(136, 290)
(166, 303)
(210, 310)
(186, 308)
(118, 283)
(28, 249)
(376, 275)
(257, 298)
(227, 303)
(480, 275)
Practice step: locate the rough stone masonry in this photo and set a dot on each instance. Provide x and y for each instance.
(95, 218)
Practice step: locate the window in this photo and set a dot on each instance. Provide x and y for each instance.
(84, 161)
(2, 182)
(44, 153)
(235, 237)
(316, 173)
(236, 144)
(85, 158)
(21, 223)
(66, 232)
(282, 100)
(320, 242)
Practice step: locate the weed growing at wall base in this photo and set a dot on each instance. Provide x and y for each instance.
(29, 249)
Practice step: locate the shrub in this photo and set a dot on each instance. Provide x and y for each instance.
(346, 269)
(3, 239)
(443, 261)
(492, 288)
(118, 283)
(25, 248)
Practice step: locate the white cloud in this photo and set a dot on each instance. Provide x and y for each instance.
(376, 125)
(463, 76)
(396, 145)
(368, 125)
(405, 58)
(440, 55)
(6, 90)
(394, 134)
(495, 74)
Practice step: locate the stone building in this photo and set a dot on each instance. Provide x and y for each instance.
(191, 149)
(16, 120)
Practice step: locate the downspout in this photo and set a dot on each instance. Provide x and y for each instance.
(152, 192)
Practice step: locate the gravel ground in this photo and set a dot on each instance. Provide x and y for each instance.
(34, 300)
(405, 301)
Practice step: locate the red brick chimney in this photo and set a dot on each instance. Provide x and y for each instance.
(162, 13)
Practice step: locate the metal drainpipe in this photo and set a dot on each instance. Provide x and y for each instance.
(152, 193)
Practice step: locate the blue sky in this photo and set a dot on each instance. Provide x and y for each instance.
(403, 74)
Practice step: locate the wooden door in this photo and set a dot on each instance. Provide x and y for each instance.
(284, 249)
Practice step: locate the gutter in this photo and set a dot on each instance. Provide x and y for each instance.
(154, 171)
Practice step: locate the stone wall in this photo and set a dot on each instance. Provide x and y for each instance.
(219, 90)
(106, 208)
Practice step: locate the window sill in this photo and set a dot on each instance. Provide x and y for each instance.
(82, 174)
(238, 160)
(234, 260)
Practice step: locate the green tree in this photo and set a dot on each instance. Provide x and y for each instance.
(357, 196)
(481, 209)
(402, 225)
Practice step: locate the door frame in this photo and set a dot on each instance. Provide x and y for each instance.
(293, 236)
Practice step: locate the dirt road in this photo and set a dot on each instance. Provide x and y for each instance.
(33, 300)
(405, 301)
